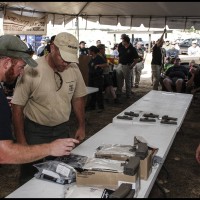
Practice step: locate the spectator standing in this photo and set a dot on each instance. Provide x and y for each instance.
(108, 83)
(194, 50)
(128, 57)
(137, 69)
(82, 49)
(115, 51)
(166, 44)
(43, 97)
(30, 48)
(47, 48)
(13, 57)
(40, 49)
(98, 42)
(172, 52)
(157, 61)
(96, 78)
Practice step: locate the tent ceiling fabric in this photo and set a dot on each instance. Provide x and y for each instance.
(152, 14)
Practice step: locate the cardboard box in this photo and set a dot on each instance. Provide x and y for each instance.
(109, 180)
(145, 165)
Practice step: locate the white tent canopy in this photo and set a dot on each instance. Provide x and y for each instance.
(177, 15)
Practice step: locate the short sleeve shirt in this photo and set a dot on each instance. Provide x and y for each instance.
(156, 55)
(127, 55)
(177, 71)
(37, 91)
(93, 62)
(5, 118)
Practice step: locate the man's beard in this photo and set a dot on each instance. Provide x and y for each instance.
(10, 77)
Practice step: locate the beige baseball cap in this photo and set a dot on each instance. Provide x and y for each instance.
(12, 46)
(68, 46)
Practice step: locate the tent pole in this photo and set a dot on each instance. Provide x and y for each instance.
(77, 26)
(149, 47)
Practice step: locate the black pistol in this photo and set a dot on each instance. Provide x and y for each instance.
(125, 117)
(131, 167)
(146, 119)
(150, 115)
(142, 150)
(122, 191)
(166, 117)
(165, 121)
(131, 114)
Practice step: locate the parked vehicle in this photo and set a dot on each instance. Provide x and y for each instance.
(185, 44)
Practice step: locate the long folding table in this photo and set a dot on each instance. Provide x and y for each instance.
(121, 132)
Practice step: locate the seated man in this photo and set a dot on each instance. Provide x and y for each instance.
(168, 63)
(175, 77)
(193, 83)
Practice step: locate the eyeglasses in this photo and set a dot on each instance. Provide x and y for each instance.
(58, 80)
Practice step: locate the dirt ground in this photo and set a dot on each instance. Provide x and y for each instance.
(183, 179)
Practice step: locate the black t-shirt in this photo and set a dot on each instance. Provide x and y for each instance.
(95, 73)
(156, 55)
(93, 62)
(5, 118)
(177, 71)
(127, 55)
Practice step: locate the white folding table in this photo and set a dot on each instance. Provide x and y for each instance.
(158, 135)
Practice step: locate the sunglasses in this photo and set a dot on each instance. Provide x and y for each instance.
(58, 80)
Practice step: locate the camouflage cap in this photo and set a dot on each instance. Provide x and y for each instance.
(12, 46)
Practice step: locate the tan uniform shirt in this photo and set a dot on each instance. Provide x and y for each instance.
(36, 90)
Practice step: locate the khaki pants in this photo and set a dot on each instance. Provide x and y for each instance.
(155, 70)
(123, 72)
(137, 71)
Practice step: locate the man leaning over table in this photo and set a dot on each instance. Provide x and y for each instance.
(14, 55)
(44, 96)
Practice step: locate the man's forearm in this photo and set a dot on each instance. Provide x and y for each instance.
(18, 123)
(190, 81)
(79, 110)
(12, 153)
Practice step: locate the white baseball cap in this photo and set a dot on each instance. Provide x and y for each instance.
(68, 46)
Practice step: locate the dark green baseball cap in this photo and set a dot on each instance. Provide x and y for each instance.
(12, 46)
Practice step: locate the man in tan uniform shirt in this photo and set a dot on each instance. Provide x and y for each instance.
(43, 95)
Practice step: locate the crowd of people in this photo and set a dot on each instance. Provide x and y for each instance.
(48, 88)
